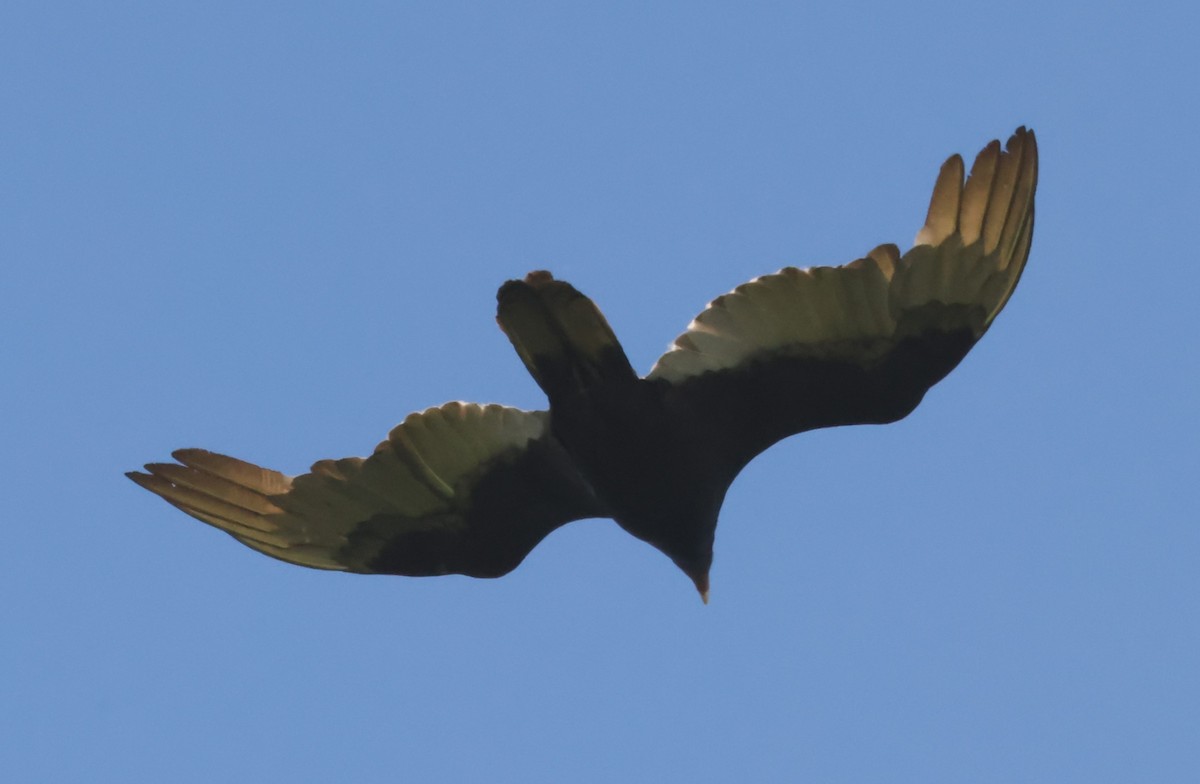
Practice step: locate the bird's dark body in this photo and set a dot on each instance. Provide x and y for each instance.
(646, 463)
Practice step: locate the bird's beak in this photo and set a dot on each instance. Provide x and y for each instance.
(702, 586)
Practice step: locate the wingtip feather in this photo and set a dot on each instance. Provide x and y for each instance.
(942, 218)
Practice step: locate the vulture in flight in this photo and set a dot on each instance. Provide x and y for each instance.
(470, 489)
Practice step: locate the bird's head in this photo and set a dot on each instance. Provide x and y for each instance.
(699, 575)
(685, 539)
(688, 529)
(694, 557)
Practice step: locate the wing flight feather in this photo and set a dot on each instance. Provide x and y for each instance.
(860, 343)
(461, 488)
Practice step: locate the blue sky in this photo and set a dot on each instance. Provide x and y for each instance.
(273, 230)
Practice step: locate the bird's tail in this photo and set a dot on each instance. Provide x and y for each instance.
(560, 335)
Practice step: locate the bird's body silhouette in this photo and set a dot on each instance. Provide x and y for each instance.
(471, 489)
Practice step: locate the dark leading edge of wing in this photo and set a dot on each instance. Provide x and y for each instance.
(862, 343)
(459, 489)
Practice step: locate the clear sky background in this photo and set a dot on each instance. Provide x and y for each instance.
(274, 229)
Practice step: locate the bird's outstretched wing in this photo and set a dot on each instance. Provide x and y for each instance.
(458, 489)
(862, 343)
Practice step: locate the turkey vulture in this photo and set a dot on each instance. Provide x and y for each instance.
(470, 489)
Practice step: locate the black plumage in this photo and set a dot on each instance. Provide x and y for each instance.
(471, 489)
